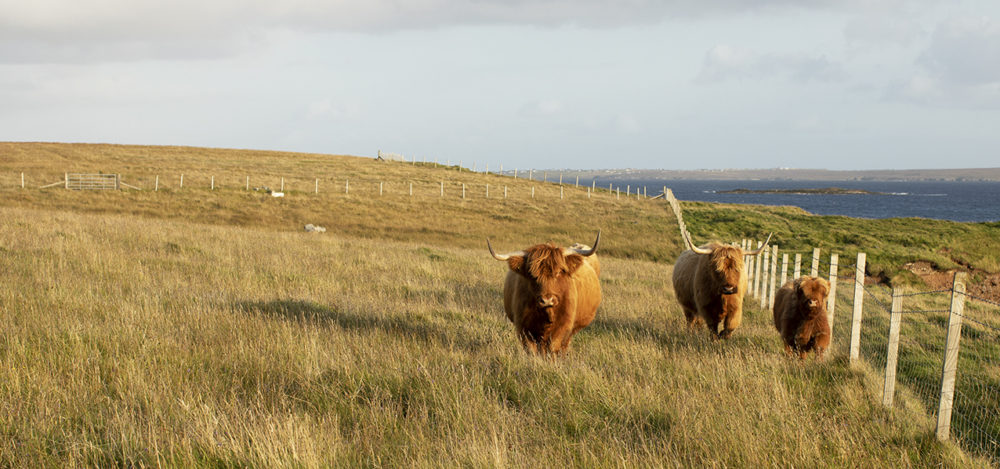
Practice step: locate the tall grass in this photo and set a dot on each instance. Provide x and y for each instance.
(197, 327)
(137, 341)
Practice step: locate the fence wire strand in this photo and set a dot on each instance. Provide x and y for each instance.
(975, 422)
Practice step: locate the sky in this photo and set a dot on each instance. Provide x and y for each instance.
(584, 84)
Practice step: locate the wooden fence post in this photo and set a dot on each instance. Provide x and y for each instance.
(66, 179)
(487, 191)
(560, 178)
(515, 173)
(577, 180)
(531, 173)
(347, 186)
(182, 181)
(282, 184)
(815, 264)
(743, 246)
(532, 192)
(248, 182)
(784, 269)
(156, 185)
(593, 185)
(560, 192)
(442, 188)
(545, 176)
(505, 192)
(411, 189)
(859, 300)
(751, 263)
(892, 353)
(380, 188)
(463, 190)
(317, 186)
(22, 180)
(947, 399)
(774, 276)
(757, 267)
(213, 183)
(797, 272)
(831, 300)
(588, 192)
(762, 285)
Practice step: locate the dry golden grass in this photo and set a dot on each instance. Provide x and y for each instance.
(135, 341)
(188, 327)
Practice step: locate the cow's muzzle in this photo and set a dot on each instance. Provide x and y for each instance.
(547, 301)
(729, 290)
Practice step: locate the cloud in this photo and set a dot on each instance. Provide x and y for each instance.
(872, 32)
(724, 62)
(964, 51)
(326, 109)
(960, 67)
(546, 107)
(124, 30)
(627, 124)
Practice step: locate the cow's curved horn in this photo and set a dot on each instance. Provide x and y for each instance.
(762, 246)
(696, 249)
(585, 252)
(502, 257)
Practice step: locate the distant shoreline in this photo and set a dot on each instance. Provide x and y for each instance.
(944, 175)
(824, 191)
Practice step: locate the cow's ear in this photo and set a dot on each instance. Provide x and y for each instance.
(516, 263)
(573, 262)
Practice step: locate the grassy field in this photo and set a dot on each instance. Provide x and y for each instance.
(189, 327)
(131, 341)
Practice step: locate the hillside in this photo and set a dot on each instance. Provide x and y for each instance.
(349, 202)
(193, 327)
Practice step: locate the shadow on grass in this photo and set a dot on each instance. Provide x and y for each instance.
(417, 327)
(671, 335)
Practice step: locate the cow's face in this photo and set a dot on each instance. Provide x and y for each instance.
(549, 270)
(727, 261)
(813, 292)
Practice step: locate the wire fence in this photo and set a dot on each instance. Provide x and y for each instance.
(449, 184)
(938, 350)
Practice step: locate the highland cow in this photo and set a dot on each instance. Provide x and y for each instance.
(710, 282)
(550, 293)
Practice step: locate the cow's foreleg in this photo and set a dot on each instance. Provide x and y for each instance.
(558, 334)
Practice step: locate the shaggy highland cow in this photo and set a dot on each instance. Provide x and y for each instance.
(800, 316)
(550, 293)
(710, 281)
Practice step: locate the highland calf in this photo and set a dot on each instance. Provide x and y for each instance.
(800, 316)
(550, 293)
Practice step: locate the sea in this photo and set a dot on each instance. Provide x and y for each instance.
(964, 201)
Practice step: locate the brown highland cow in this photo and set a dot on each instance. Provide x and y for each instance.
(800, 316)
(709, 282)
(550, 293)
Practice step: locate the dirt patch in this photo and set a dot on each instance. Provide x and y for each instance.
(981, 284)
